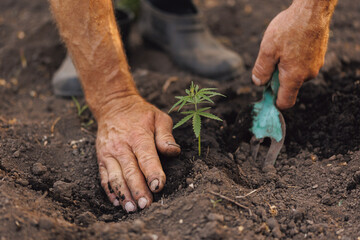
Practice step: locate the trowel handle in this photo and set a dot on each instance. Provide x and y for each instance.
(275, 84)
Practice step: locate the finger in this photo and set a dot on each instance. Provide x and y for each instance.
(105, 185)
(164, 139)
(118, 185)
(265, 64)
(149, 162)
(290, 84)
(134, 178)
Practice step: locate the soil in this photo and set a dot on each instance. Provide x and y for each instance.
(49, 184)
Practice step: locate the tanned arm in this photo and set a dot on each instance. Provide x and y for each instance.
(130, 130)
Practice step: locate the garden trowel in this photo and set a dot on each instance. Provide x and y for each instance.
(268, 122)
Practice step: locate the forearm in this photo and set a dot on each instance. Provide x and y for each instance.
(90, 32)
(322, 8)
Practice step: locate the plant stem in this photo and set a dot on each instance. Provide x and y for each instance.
(199, 146)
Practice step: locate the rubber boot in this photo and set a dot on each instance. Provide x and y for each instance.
(189, 43)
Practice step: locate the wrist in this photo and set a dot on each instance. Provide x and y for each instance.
(116, 106)
(112, 94)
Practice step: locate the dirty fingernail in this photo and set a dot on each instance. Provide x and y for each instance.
(154, 185)
(256, 80)
(173, 144)
(116, 203)
(142, 202)
(129, 207)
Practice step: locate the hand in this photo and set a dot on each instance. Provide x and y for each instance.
(296, 40)
(129, 135)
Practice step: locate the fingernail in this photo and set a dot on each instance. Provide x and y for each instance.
(116, 203)
(142, 202)
(154, 185)
(256, 80)
(173, 144)
(130, 207)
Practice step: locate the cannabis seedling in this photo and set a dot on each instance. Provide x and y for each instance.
(196, 96)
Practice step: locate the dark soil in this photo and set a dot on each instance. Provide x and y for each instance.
(49, 184)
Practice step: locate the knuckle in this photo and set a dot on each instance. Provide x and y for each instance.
(146, 159)
(114, 177)
(130, 172)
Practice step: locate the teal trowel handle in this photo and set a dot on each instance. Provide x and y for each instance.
(273, 85)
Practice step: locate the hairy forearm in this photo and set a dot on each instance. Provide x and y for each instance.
(90, 32)
(322, 8)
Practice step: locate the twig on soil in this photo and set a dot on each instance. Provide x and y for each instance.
(87, 131)
(248, 194)
(41, 198)
(168, 82)
(207, 152)
(54, 123)
(232, 201)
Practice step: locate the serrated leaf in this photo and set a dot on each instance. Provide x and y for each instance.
(176, 104)
(182, 121)
(210, 115)
(196, 124)
(212, 94)
(188, 112)
(207, 89)
(204, 109)
(207, 98)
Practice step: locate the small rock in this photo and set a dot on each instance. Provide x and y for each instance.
(22, 182)
(336, 170)
(46, 223)
(16, 154)
(261, 212)
(138, 226)
(189, 181)
(62, 189)
(106, 217)
(149, 236)
(276, 232)
(298, 214)
(272, 223)
(85, 219)
(216, 217)
(38, 169)
(327, 200)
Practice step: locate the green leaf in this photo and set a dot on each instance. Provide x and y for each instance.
(176, 104)
(210, 115)
(204, 109)
(196, 124)
(83, 108)
(187, 91)
(188, 112)
(213, 93)
(182, 121)
(207, 89)
(207, 98)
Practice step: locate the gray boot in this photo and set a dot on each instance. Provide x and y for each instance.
(65, 81)
(189, 43)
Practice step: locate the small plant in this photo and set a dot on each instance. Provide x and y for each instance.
(80, 109)
(196, 96)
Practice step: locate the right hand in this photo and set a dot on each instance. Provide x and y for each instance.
(129, 135)
(296, 41)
